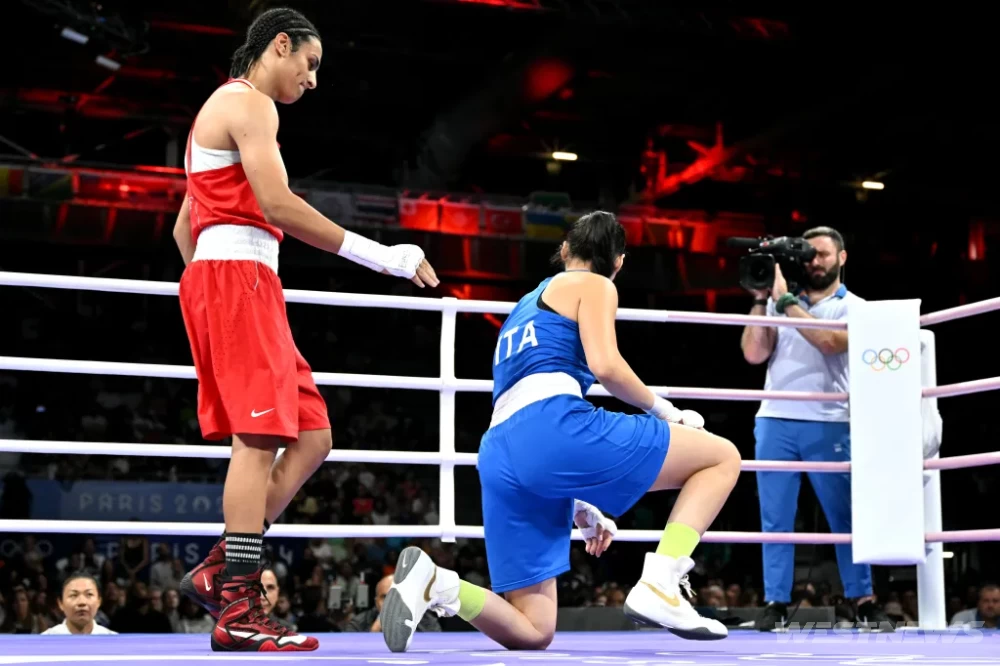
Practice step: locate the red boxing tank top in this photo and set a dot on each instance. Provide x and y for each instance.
(218, 190)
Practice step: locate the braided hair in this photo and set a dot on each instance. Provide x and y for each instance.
(264, 29)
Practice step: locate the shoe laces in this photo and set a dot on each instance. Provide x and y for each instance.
(254, 590)
(685, 584)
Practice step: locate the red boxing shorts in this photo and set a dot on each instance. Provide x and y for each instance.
(251, 377)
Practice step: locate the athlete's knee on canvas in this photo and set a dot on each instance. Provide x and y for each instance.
(543, 641)
(537, 605)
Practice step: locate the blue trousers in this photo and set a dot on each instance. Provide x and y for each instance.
(805, 441)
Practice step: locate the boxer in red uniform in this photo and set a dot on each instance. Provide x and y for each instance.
(253, 383)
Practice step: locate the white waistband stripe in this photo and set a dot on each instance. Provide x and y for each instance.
(531, 389)
(236, 242)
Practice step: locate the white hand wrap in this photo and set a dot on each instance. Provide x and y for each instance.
(398, 260)
(665, 411)
(594, 518)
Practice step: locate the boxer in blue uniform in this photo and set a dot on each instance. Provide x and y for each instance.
(550, 458)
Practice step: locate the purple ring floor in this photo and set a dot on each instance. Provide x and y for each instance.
(631, 648)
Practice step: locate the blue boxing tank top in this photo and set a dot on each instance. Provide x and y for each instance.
(534, 339)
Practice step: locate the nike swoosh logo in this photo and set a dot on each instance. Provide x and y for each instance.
(427, 591)
(254, 414)
(261, 637)
(673, 601)
(207, 586)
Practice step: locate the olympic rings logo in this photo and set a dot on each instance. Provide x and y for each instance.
(885, 358)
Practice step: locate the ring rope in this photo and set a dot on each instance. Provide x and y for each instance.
(164, 371)
(203, 451)
(388, 381)
(128, 528)
(151, 288)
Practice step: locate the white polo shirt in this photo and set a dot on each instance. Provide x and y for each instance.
(796, 365)
(63, 630)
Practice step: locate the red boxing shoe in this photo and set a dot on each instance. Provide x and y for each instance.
(204, 583)
(244, 627)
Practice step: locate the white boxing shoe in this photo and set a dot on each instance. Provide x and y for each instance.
(417, 587)
(655, 601)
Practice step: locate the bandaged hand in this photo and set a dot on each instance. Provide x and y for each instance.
(665, 411)
(596, 528)
(405, 261)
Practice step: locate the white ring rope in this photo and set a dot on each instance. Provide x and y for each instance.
(128, 528)
(385, 381)
(400, 302)
(221, 452)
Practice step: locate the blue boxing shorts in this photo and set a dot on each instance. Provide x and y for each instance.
(534, 464)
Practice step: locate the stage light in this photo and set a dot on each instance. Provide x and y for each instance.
(107, 62)
(74, 36)
(565, 157)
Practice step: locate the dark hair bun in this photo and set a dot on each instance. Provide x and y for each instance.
(599, 238)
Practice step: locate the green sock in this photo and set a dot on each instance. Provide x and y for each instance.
(678, 540)
(473, 598)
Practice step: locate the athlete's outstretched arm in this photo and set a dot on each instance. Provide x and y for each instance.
(182, 232)
(254, 128)
(596, 318)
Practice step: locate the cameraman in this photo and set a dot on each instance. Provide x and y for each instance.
(806, 359)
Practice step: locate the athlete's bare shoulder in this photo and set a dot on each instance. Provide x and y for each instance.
(248, 108)
(232, 111)
(586, 282)
(567, 290)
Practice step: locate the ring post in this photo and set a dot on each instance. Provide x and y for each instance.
(446, 510)
(930, 574)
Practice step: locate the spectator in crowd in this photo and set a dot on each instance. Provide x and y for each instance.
(20, 618)
(113, 601)
(347, 581)
(79, 602)
(48, 607)
(32, 556)
(984, 615)
(92, 561)
(910, 605)
(193, 618)
(369, 619)
(316, 618)
(895, 611)
(156, 598)
(323, 552)
(163, 573)
(273, 599)
(15, 502)
(733, 594)
(171, 603)
(137, 616)
(68, 566)
(283, 614)
(133, 559)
